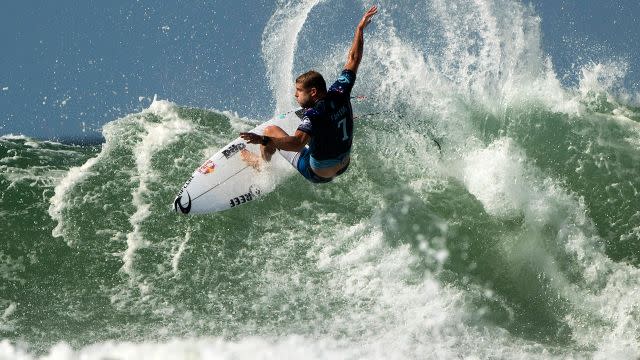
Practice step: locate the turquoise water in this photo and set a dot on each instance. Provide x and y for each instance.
(518, 240)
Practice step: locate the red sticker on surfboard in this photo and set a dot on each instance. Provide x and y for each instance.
(207, 167)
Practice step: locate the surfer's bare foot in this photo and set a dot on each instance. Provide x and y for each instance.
(267, 152)
(251, 159)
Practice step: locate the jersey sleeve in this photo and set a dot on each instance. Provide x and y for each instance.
(344, 83)
(306, 125)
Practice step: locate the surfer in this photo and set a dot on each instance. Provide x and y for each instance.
(321, 146)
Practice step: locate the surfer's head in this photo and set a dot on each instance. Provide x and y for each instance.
(310, 87)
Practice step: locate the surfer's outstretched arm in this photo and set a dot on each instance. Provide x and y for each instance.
(355, 53)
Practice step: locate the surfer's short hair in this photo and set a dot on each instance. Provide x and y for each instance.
(312, 79)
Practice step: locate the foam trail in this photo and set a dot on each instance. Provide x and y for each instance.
(175, 261)
(279, 42)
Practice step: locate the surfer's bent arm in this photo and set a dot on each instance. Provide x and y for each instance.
(290, 143)
(355, 53)
(287, 142)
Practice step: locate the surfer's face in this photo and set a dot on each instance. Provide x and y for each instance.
(305, 97)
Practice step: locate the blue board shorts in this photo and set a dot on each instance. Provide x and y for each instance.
(302, 162)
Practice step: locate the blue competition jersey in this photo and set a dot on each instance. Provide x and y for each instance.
(330, 121)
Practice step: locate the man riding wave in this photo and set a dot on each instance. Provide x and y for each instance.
(321, 146)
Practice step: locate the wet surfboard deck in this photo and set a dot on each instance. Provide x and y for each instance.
(225, 180)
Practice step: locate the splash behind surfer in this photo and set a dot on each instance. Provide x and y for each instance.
(321, 146)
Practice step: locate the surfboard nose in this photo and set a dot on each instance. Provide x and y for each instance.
(177, 204)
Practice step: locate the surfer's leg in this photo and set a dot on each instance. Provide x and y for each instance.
(274, 132)
(300, 161)
(292, 157)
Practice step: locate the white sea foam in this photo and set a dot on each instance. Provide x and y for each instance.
(14, 137)
(36, 176)
(387, 315)
(156, 137)
(9, 311)
(496, 177)
(292, 347)
(502, 179)
(175, 261)
(58, 202)
(601, 78)
(240, 123)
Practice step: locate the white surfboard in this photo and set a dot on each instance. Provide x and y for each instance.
(226, 181)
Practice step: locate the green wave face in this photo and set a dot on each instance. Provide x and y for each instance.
(521, 227)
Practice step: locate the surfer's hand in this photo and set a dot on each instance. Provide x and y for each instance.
(366, 19)
(251, 138)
